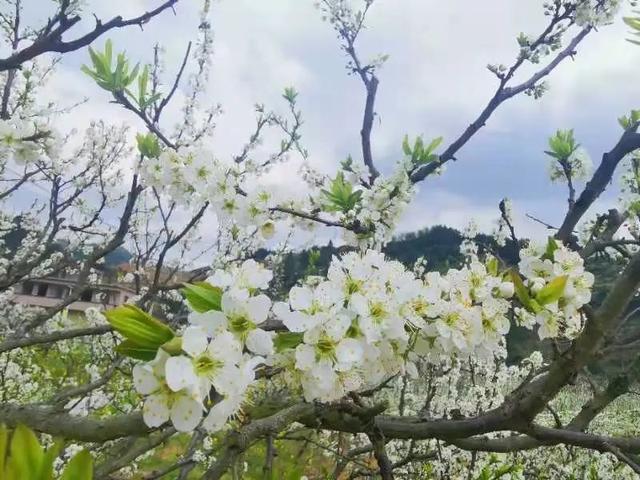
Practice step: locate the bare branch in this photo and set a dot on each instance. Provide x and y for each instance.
(51, 40)
(502, 94)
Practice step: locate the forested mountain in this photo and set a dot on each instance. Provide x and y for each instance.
(439, 245)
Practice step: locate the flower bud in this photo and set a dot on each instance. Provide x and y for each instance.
(506, 289)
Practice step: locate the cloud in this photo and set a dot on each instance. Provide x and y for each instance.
(434, 83)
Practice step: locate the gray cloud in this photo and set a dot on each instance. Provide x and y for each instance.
(434, 83)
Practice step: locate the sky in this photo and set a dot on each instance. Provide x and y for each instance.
(434, 83)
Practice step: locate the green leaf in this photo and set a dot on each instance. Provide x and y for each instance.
(46, 469)
(340, 195)
(290, 94)
(4, 443)
(552, 246)
(347, 164)
(435, 143)
(202, 296)
(287, 340)
(522, 292)
(131, 349)
(132, 76)
(118, 74)
(492, 267)
(108, 54)
(627, 122)
(98, 63)
(26, 453)
(90, 72)
(138, 326)
(416, 155)
(143, 79)
(148, 145)
(173, 346)
(406, 148)
(552, 291)
(562, 145)
(80, 467)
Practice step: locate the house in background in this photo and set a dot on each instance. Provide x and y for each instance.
(49, 291)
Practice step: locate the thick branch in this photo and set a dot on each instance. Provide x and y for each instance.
(13, 343)
(50, 420)
(379, 451)
(629, 141)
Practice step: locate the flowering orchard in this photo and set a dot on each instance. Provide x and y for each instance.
(378, 368)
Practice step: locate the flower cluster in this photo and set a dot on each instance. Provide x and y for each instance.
(384, 202)
(464, 312)
(596, 12)
(354, 332)
(368, 320)
(373, 205)
(559, 286)
(371, 318)
(25, 141)
(196, 176)
(630, 188)
(219, 350)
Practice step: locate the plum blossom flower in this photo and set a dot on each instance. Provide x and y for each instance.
(249, 276)
(210, 363)
(184, 407)
(234, 395)
(241, 315)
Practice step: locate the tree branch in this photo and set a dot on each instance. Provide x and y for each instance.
(628, 142)
(237, 442)
(51, 40)
(502, 94)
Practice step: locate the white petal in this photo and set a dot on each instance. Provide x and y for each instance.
(159, 362)
(300, 298)
(305, 357)
(180, 373)
(233, 301)
(249, 365)
(155, 411)
(186, 413)
(411, 370)
(212, 321)
(218, 415)
(258, 308)
(220, 279)
(371, 331)
(144, 380)
(349, 351)
(194, 341)
(328, 294)
(226, 347)
(299, 322)
(260, 342)
(337, 326)
(227, 379)
(281, 310)
(359, 304)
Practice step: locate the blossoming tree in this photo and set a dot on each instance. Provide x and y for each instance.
(374, 360)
